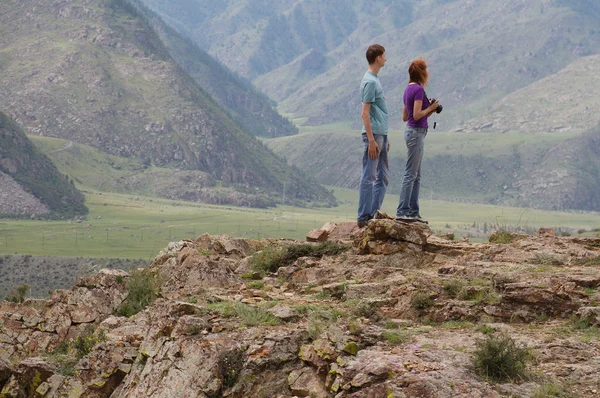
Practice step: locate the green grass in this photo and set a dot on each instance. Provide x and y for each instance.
(127, 226)
(142, 290)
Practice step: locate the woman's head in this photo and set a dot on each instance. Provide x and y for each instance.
(417, 71)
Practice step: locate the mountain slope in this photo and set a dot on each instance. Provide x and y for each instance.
(571, 97)
(566, 177)
(95, 73)
(30, 183)
(250, 108)
(479, 52)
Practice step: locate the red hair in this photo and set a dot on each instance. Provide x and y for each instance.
(417, 71)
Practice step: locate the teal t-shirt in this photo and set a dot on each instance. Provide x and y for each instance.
(371, 91)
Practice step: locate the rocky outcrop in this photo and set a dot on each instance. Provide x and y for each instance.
(14, 200)
(396, 315)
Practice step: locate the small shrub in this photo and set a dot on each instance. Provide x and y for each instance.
(267, 260)
(453, 287)
(546, 259)
(17, 294)
(502, 236)
(591, 262)
(271, 258)
(354, 327)
(552, 390)
(142, 291)
(421, 301)
(366, 309)
(390, 325)
(250, 315)
(256, 285)
(485, 329)
(499, 359)
(203, 252)
(318, 321)
(230, 365)
(395, 336)
(194, 330)
(84, 343)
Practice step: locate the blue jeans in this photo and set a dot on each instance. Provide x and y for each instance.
(374, 178)
(409, 192)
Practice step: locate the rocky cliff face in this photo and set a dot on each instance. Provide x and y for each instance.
(396, 313)
(95, 72)
(29, 183)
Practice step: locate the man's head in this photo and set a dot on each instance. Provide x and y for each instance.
(376, 55)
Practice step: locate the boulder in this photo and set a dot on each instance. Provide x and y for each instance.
(317, 235)
(389, 236)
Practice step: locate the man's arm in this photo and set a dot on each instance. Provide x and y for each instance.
(373, 147)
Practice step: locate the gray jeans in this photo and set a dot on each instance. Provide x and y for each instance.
(411, 183)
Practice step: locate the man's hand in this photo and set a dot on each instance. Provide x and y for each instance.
(373, 149)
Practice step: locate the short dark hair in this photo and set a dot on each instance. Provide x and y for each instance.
(417, 72)
(374, 51)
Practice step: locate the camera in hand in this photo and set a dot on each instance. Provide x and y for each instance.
(439, 108)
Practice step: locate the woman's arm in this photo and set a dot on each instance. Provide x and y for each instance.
(404, 114)
(419, 113)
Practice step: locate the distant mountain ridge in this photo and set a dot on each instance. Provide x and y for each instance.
(250, 108)
(29, 183)
(94, 72)
(479, 52)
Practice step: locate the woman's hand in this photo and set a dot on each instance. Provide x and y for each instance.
(434, 105)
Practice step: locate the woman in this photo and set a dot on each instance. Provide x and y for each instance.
(416, 111)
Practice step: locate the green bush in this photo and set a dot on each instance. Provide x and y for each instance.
(230, 365)
(250, 315)
(499, 359)
(546, 259)
(318, 321)
(84, 343)
(421, 301)
(552, 390)
(17, 294)
(396, 336)
(142, 289)
(453, 287)
(271, 258)
(591, 262)
(502, 236)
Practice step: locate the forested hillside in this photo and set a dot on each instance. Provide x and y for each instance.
(29, 183)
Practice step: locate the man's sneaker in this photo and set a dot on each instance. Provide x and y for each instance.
(406, 218)
(419, 219)
(363, 223)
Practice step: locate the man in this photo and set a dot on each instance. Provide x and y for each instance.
(374, 178)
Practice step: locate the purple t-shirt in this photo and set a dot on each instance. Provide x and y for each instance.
(412, 93)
